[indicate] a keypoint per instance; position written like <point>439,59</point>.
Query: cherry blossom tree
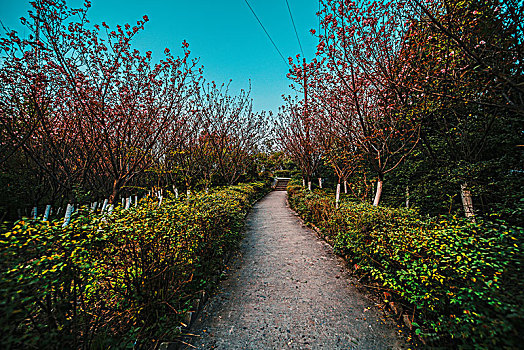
<point>232,130</point>
<point>296,135</point>
<point>358,66</point>
<point>101,106</point>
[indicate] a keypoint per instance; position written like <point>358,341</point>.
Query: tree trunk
<point>47,212</point>
<point>345,187</point>
<point>467,201</point>
<point>309,185</point>
<point>378,194</point>
<point>337,198</point>
<point>320,182</point>
<point>104,206</point>
<point>407,196</point>
<point>67,217</point>
<point>115,192</point>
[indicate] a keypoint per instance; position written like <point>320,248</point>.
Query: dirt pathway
<point>287,290</point>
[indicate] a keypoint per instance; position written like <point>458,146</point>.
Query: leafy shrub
<point>293,189</point>
<point>462,281</point>
<point>117,281</point>
<point>282,173</point>
<point>295,181</point>
<point>46,271</point>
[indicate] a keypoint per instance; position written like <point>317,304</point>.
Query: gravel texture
<point>287,290</point>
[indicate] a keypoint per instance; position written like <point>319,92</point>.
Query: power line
<point>295,28</point>
<point>265,31</point>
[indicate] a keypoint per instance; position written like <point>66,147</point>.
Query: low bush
<point>460,282</point>
<point>119,281</point>
<point>282,173</point>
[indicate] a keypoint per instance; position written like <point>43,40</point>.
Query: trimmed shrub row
<point>460,283</point>
<point>120,281</point>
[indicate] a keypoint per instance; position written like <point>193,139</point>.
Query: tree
<point>101,107</point>
<point>465,81</point>
<point>357,52</point>
<point>297,137</point>
<point>232,130</point>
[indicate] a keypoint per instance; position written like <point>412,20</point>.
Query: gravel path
<point>287,290</point>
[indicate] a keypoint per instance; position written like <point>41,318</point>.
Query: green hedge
<point>120,281</point>
<point>282,173</point>
<point>462,281</point>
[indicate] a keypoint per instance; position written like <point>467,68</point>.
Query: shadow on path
<point>287,290</point>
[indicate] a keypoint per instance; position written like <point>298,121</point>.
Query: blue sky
<point>224,34</point>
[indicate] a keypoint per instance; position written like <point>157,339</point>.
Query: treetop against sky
<point>224,34</point>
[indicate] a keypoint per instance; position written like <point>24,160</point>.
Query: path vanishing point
<point>287,290</point>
